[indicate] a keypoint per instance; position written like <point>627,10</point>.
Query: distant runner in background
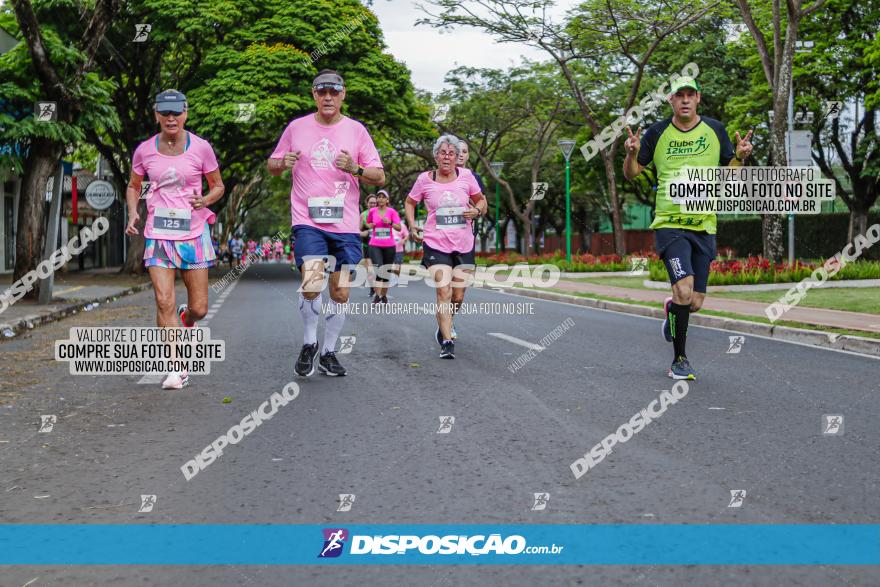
<point>371,203</point>
<point>463,161</point>
<point>381,220</point>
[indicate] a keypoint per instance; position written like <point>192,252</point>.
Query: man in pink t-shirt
<point>329,155</point>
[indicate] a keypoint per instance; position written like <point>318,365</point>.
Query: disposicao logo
<point>334,540</point>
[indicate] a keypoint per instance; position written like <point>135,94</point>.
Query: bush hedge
<point>816,237</point>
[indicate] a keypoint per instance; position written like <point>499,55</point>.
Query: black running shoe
<point>376,299</point>
<point>329,365</point>
<point>384,299</point>
<point>447,350</point>
<point>305,364</point>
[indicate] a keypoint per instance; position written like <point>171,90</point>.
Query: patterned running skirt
<point>195,253</point>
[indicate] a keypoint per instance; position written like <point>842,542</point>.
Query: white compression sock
<point>310,310</point>
<point>333,321</point>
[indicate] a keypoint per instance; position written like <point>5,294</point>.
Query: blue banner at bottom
<point>430,544</point>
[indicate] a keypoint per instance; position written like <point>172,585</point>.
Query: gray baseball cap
<point>328,80</point>
<point>171,100</point>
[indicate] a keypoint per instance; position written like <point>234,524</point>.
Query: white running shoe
<point>176,380</point>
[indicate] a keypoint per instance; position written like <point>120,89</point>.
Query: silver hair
<point>452,140</point>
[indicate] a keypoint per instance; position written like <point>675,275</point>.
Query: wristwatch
<point>359,172</point>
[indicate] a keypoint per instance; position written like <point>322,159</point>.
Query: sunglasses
<point>168,113</point>
<point>332,89</point>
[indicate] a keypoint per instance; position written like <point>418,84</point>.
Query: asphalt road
<point>752,421</point>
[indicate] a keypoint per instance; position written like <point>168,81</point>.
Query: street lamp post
<point>567,146</point>
<point>497,166</point>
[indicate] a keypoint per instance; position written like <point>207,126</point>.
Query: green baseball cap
<point>684,81</point>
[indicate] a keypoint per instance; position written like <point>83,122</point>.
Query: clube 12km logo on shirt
<point>336,538</point>
<point>685,147</point>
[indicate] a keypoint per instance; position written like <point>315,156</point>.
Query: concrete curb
<point>31,321</point>
<point>858,344</point>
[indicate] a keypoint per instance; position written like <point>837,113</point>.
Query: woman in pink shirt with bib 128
<point>453,199</point>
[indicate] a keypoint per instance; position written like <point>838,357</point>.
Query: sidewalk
<point>817,316</point>
<point>73,292</point>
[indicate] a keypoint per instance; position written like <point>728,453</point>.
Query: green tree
<point>229,52</point>
<point>839,67</point>
<point>505,116</point>
<point>602,48</point>
<point>768,18</point>
<point>54,63</point>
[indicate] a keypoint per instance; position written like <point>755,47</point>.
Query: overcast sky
<point>430,53</point>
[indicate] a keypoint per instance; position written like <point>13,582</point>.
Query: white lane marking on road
<point>717,408</point>
<point>156,377</point>
<point>804,344</point>
<point>515,340</point>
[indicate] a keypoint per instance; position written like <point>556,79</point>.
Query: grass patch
<point>861,299</point>
<point>629,282</point>
<point>855,299</point>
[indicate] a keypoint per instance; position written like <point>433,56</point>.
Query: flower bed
<point>725,271</point>
<point>579,263</point>
<point>754,270</point>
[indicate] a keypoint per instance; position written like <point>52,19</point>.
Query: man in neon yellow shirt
<point>685,241</point>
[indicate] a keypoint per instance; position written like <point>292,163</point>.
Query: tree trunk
<point>773,225</point>
<point>773,230</point>
<point>134,260</point>
<point>41,163</point>
<point>616,221</point>
<point>858,223</point>
<point>529,247</point>
<point>586,238</point>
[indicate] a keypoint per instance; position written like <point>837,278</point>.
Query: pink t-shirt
<point>173,179</point>
<point>400,237</point>
<point>447,201</point>
<point>321,195</point>
<point>382,236</point>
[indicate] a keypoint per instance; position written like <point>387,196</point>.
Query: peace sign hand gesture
<point>743,146</point>
<point>633,142</point>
